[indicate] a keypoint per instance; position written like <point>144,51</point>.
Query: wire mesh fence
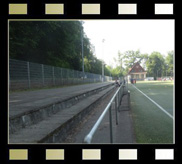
<point>26,75</point>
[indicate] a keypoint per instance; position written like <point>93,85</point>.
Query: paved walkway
<point>124,129</point>
<point>123,133</point>
<point>20,102</point>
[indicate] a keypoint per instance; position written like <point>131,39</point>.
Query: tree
<point>56,43</point>
<point>169,63</point>
<point>155,65</point>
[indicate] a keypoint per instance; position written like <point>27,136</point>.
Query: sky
<point>123,35</point>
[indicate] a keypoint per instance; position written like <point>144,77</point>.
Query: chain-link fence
<point>25,75</point>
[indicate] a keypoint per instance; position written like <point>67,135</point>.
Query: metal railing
<point>117,99</point>
<point>26,75</point>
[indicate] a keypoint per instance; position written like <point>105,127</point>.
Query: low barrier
<point>117,99</point>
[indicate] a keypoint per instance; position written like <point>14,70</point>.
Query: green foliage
<point>129,58</point>
<point>126,60</point>
<point>117,72</point>
<point>56,43</point>
<point>169,63</point>
<point>155,65</point>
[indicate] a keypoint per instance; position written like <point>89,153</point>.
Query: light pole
<point>82,50</point>
<point>103,40</point>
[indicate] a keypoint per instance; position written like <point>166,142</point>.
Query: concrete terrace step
<point>55,128</point>
<point>20,102</point>
<point>33,111</point>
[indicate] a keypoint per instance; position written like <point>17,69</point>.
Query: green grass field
<point>151,124</point>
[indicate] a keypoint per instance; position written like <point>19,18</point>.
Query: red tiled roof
<point>136,69</point>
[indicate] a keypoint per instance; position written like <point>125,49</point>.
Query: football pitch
<point>152,109</point>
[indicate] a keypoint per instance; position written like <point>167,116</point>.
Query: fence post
<point>73,77</point>
<point>72,73</point>
<point>53,75</point>
<point>110,120</point>
<point>61,76</point>
<point>129,98</point>
<point>116,112</point>
<point>77,77</point>
<point>118,101</point>
<point>127,84</point>
<point>28,73</point>
<point>43,74</point>
<point>120,95</point>
<point>67,74</point>
<point>9,81</point>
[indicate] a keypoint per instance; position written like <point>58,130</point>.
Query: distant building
<point>137,72</point>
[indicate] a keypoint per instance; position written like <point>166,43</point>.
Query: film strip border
<point>89,9</point>
<point>91,154</point>
<point>92,9</point>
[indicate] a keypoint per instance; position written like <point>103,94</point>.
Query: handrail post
<point>118,98</point>
<point>118,101</point>
<point>121,93</point>
<point>110,120</point>
<point>88,137</point>
<point>116,112</point>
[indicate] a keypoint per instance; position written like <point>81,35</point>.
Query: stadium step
<point>55,127</point>
<point>47,107</point>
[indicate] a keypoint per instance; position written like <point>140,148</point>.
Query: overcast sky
<point>123,35</point>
